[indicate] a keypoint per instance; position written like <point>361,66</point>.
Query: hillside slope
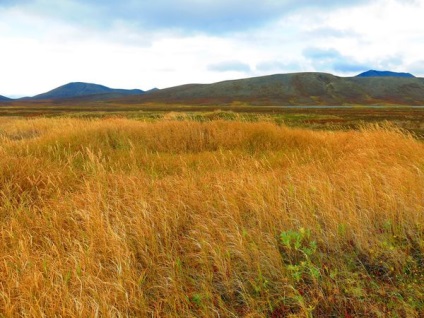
<point>295,89</point>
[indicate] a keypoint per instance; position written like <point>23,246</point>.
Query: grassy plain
<point>408,118</point>
<point>219,215</point>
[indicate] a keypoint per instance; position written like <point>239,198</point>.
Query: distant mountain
<point>293,89</point>
<point>79,89</point>
<point>373,73</point>
<point>4,99</point>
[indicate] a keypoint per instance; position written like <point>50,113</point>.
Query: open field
<point>175,217</point>
<point>408,118</point>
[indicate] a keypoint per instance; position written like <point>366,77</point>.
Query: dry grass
<point>221,219</point>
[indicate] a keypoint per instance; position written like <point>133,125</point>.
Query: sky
<point>162,43</point>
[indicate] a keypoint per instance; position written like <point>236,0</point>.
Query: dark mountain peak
<point>4,99</point>
<point>374,73</point>
<point>86,86</point>
<point>81,89</point>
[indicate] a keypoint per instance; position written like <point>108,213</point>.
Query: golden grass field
<point>124,218</point>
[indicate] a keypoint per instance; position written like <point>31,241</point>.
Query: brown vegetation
<point>117,217</point>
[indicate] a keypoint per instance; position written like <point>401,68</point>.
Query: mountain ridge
<point>309,88</point>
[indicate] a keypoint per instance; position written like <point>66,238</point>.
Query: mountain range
<point>368,88</point>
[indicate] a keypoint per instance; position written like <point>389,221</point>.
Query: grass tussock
<point>123,218</point>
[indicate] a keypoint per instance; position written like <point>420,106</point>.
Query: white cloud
<point>44,48</point>
<point>385,28</point>
<point>230,66</point>
<point>207,16</point>
<point>277,66</point>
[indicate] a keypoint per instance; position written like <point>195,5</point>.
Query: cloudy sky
<point>162,43</point>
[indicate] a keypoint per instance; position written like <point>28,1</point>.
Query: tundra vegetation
<point>174,217</point>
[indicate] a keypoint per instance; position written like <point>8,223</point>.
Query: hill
<point>79,89</point>
<point>4,99</point>
<point>294,89</point>
<point>373,73</point>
